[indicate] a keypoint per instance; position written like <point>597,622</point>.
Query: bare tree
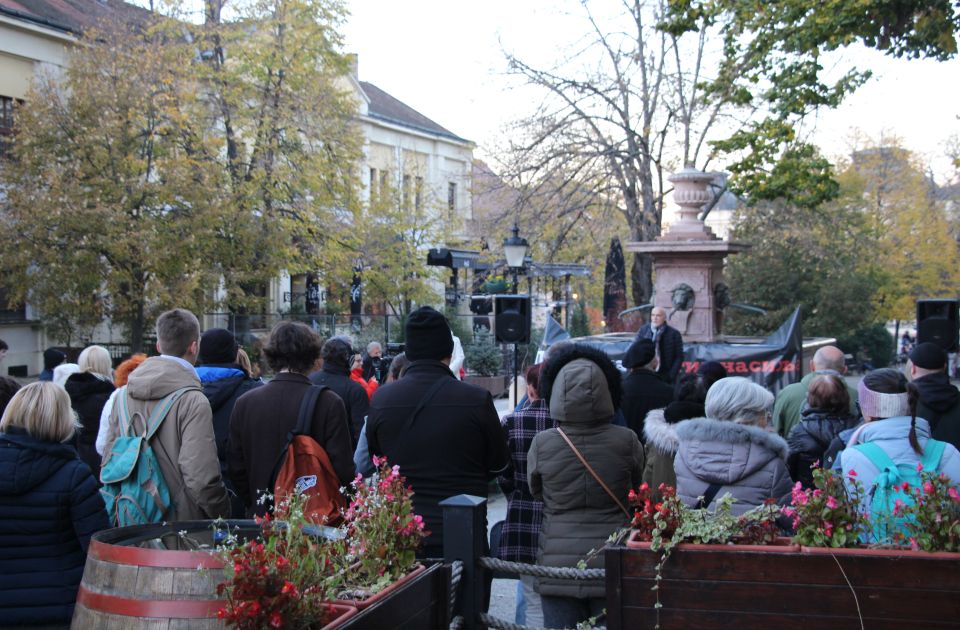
<point>618,115</point>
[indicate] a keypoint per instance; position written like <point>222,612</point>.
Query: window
<point>384,182</point>
<point>418,193</point>
<point>405,193</point>
<point>452,197</point>
<point>373,184</point>
<point>7,105</point>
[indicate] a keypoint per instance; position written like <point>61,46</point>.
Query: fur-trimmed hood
<point>661,434</point>
<point>580,385</point>
<point>725,452</point>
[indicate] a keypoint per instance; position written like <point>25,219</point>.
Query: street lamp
<point>515,251</point>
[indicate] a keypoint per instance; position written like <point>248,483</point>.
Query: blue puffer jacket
<point>49,507</point>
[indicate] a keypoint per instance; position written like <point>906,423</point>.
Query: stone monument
<point>688,263</point>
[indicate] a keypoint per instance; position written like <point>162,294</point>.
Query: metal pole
<point>464,539</point>
<point>516,354</point>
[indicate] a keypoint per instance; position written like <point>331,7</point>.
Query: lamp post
<point>515,251</point>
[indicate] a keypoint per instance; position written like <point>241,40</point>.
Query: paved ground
<point>503,594</point>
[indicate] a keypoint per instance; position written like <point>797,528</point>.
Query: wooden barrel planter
<point>782,587</point>
<point>153,576</point>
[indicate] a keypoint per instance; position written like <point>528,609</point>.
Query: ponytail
<point>913,397</point>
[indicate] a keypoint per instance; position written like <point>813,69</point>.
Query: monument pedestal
<point>688,263</point>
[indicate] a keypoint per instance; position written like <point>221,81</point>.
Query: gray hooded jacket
<point>748,462</point>
<point>578,514</point>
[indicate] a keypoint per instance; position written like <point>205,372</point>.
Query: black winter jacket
<point>940,406</point>
<point>49,508</point>
<point>643,392</point>
<point>670,347</point>
<point>223,385</point>
<point>88,395</point>
<point>810,439</point>
<point>454,446</point>
<point>354,398</point>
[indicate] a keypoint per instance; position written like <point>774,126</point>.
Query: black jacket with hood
<point>88,394</point>
<point>582,388</point>
<point>49,508</point>
<point>940,406</point>
<point>810,439</point>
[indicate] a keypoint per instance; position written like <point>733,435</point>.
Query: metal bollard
<point>464,535</point>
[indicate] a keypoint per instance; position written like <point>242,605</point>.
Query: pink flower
<point>952,492</point>
<point>913,544</point>
<point>898,506</point>
<point>927,487</point>
<point>832,503</point>
<point>905,487</point>
<point>919,466</point>
<point>852,474</point>
<point>828,529</point>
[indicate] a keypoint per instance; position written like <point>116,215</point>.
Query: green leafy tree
<point>282,110</point>
<point>773,62</point>
<point>111,211</point>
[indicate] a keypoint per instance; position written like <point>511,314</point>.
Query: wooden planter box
<point>422,601</point>
<point>783,587</point>
<point>496,385</point>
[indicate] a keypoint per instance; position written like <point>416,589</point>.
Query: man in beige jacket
<point>184,444</point>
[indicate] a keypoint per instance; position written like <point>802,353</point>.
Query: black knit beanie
<point>928,356</point>
<point>428,335</point>
<point>52,358</point>
<point>217,346</point>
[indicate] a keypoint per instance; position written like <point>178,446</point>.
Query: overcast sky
<point>445,59</point>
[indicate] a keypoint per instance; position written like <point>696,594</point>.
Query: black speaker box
<point>938,321</point>
<point>512,318</point>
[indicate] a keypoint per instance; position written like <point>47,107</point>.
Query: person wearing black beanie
<point>51,359</point>
<point>444,435</point>
<point>939,400</point>
<point>223,381</point>
<point>428,335</point>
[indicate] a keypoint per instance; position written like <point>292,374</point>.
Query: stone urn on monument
<point>688,263</point>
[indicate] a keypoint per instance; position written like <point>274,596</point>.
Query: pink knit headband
<point>877,405</point>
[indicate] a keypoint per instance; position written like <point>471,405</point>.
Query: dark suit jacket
<point>670,348</point>
<point>259,425</point>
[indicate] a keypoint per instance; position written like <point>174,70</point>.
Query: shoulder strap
<point>307,406</point>
<point>591,471</point>
<point>932,452</point>
<point>423,401</point>
<point>123,416</point>
<point>162,409</point>
<point>877,456</point>
<point>708,496</point>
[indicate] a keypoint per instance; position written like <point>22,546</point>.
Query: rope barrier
<point>566,573</point>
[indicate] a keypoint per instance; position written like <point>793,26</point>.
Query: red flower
<point>276,620</point>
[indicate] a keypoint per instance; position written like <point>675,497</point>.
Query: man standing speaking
<point>667,341</point>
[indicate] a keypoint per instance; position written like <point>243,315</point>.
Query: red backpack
<point>304,468</point>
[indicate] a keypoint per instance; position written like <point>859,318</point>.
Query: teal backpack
<point>887,489</point>
<point>133,486</point>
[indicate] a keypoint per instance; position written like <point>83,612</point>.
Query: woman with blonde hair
<point>89,390</point>
<point>49,508</point>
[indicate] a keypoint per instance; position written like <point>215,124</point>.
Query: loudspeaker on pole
<point>511,318</point>
<point>938,321</point>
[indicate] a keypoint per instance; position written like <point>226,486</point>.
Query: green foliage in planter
<point>483,356</point>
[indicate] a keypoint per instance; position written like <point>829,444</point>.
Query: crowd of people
<point>566,458</point>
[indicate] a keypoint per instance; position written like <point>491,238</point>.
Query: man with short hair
<point>184,444</point>
<point>444,435</point>
<point>667,341</point>
<point>791,399</point>
<point>337,356</point>
<point>643,391</point>
<point>939,400</point>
